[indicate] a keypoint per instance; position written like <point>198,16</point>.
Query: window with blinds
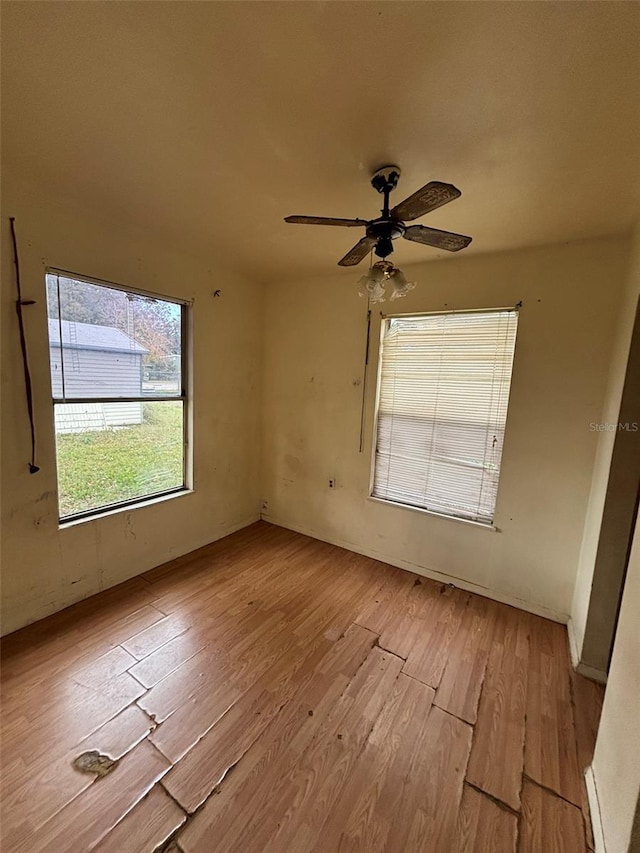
<point>442,406</point>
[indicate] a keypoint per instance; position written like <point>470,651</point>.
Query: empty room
<point>320,427</point>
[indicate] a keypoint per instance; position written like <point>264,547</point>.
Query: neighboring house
<point>95,361</point>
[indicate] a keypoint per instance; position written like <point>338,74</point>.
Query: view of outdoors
<point>105,345</point>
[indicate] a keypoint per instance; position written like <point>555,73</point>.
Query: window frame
<point>385,319</point>
<point>184,397</point>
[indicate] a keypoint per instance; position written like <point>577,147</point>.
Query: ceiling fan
<point>381,232</point>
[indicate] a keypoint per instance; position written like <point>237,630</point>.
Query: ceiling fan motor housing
<point>384,230</point>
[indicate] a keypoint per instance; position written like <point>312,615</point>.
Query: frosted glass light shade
<point>399,284</point>
<point>372,284</point>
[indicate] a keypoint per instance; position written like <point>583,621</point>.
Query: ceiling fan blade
<point>324,220</point>
<point>434,237</point>
<point>428,198</point>
<point>358,252</point>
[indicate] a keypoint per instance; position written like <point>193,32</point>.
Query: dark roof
<point>88,336</point>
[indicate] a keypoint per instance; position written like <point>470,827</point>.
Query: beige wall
<point>45,568</point>
<point>314,347</point>
<point>598,645</point>
<point>314,337</point>
<point>616,762</point>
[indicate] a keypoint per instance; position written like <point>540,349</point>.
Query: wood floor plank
<point>250,788</point>
<point>213,634</point>
<point>107,801</point>
<point>497,754</point>
<point>549,823</point>
<point>167,658</point>
<point>65,716</point>
<point>195,777</point>
<point>119,735</point>
<point>69,651</point>
<point>145,642</point>
<point>275,709</point>
<point>324,769</point>
<point>94,622</point>
<point>483,826</point>
<point>459,689</point>
<point>405,626</point>
<point>32,795</point>
<point>355,823</point>
<point>425,817</point>
<point>107,666</point>
<point>551,756</point>
<point>389,600</point>
<point>428,657</point>
<point>220,682</point>
<point>239,695</point>
<point>224,663</point>
<point>146,827</point>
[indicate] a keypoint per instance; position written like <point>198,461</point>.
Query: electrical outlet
<point>332,484</point>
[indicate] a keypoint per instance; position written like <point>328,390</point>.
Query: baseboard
<point>592,673</point>
<point>582,668</point>
<point>521,604</point>
<point>594,808</point>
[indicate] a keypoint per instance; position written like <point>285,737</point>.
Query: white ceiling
<point>210,122</point>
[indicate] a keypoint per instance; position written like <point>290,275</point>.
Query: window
<point>442,406</point>
<point>119,393</point>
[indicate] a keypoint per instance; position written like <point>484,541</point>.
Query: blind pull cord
<point>364,381</point>
<point>20,303</point>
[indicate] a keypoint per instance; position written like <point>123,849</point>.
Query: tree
<point>153,323</point>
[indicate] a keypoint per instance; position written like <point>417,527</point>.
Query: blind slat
<point>442,408</point>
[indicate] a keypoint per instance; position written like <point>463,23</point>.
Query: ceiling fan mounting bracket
<point>386,178</point>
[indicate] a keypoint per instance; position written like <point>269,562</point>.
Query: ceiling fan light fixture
<point>372,284</point>
<point>399,284</point>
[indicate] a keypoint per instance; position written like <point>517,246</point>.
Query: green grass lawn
<point>98,468</point>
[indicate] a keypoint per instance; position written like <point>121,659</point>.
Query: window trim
<point>485,525</point>
<point>385,318</point>
<point>114,510</point>
<point>184,397</point>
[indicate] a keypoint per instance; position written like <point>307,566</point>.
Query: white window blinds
<point>442,407</point>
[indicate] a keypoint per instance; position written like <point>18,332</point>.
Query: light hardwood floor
<point>274,693</point>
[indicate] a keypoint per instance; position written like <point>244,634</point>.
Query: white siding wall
<point>96,373</point>
<point>84,417</point>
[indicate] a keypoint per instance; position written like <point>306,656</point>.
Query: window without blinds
<point>442,407</point>
<point>118,383</point>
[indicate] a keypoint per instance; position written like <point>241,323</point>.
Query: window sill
<point>481,524</point>
<point>144,502</point>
